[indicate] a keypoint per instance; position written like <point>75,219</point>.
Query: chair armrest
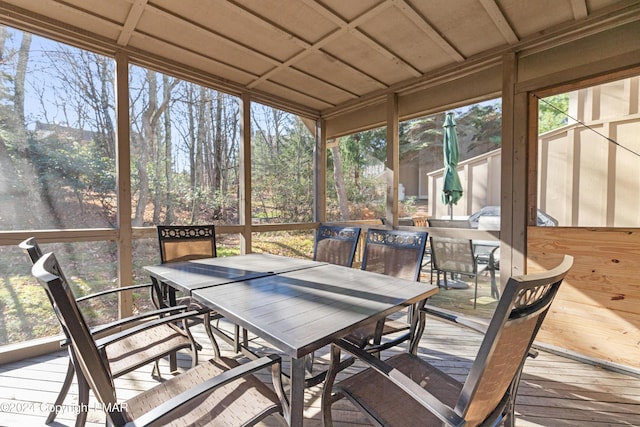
<point>205,387</point>
<point>377,348</point>
<point>476,324</point>
<point>117,324</point>
<point>113,291</point>
<point>414,390</point>
<point>137,318</point>
<point>102,342</point>
<point>485,252</point>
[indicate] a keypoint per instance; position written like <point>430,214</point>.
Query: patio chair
<point>185,243</point>
<point>488,253</point>
<point>444,223</point>
<point>217,392</point>
<point>153,338</point>
<point>406,390</point>
<point>457,256</point>
<point>393,253</point>
<point>336,244</point>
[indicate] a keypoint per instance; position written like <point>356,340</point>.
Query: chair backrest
<point>449,223</point>
<point>394,252</point>
<point>522,308</point>
<point>336,244</point>
<point>452,255</point>
<point>93,365</point>
<point>31,247</point>
<point>186,242</point>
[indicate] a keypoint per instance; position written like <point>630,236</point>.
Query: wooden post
<point>320,173</point>
<point>244,210</point>
<point>123,157</point>
<point>393,159</point>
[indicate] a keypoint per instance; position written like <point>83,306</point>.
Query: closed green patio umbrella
<point>451,188</point>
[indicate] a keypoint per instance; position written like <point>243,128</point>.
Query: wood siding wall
<point>597,311</point>
<point>480,178</point>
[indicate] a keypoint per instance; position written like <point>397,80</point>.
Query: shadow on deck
<point>554,391</point>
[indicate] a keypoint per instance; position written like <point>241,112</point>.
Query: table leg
<point>296,400</point>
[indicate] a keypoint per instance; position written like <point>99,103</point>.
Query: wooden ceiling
<point>315,56</point>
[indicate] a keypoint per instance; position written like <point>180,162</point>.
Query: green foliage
<point>358,147</point>
<point>282,171</point>
<point>363,163</point>
<point>552,112</point>
<point>76,166</point>
<point>486,122</point>
<point>409,206</point>
<point>421,133</point>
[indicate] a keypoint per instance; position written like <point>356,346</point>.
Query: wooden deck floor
<point>554,391</point>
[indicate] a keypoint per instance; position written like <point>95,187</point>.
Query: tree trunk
<point>21,73</point>
<point>218,147</point>
<point>145,143</point>
<point>168,160</point>
<point>339,183</point>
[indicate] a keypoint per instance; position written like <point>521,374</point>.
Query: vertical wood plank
<point>509,75</point>
<point>393,159</point>
<point>123,162</point>
<point>320,172</point>
<point>244,210</point>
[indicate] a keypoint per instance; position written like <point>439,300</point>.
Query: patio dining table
<point>298,306</point>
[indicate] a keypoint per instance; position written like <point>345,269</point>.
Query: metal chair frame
<point>336,244</point>
<point>110,333</point>
<point>406,390</point>
<point>190,394</point>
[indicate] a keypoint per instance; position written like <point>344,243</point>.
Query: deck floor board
<point>554,391</point>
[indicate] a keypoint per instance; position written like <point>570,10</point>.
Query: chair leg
<point>155,372</point>
<point>495,293</point>
<point>475,294</point>
<point>68,379</point>
<point>510,410</point>
<point>214,342</point>
<point>83,400</point>
<point>327,391</point>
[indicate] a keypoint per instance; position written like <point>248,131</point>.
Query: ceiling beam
<point>209,33</point>
<point>579,8</point>
<point>429,30</point>
<point>306,50</point>
<point>500,21</point>
<point>352,28</point>
<point>133,18</point>
<point>137,8</point>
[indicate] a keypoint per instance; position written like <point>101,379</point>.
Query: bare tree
<point>86,87</point>
<point>339,183</point>
<point>152,112</point>
<point>21,73</point>
<point>168,156</point>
